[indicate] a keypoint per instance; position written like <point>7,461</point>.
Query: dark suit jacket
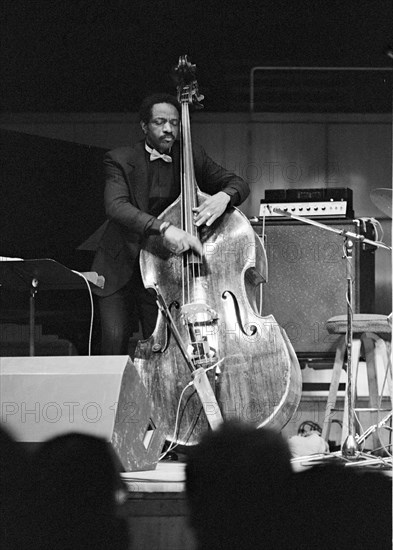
<point>126,203</point>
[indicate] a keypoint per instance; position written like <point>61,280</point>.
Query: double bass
<point>208,316</point>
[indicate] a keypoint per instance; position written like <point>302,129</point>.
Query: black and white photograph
<point>196,275</point>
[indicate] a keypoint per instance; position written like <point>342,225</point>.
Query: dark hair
<point>236,485</point>
<point>148,102</point>
<point>74,496</point>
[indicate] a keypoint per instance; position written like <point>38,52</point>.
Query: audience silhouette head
<point>74,496</point>
<point>236,479</point>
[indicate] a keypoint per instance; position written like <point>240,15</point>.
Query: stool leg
<point>333,389</point>
<point>356,344</point>
<point>370,351</point>
<point>377,354</point>
<point>388,351</point>
<point>383,352</point>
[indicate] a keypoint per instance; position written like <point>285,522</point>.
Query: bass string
<point>189,202</point>
<point>191,269</point>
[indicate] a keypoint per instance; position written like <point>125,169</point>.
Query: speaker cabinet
<point>307,280</point>
<point>43,397</point>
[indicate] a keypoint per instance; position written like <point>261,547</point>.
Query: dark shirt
<point>162,188</point>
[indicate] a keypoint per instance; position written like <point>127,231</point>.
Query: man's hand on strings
<point>211,209</point>
<point>178,241</point>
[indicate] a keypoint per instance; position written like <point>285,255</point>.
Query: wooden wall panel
<point>269,150</point>
<point>275,162</point>
<point>361,153</point>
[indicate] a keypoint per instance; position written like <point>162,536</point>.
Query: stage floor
<point>168,477</point>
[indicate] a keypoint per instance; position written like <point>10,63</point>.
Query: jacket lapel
<point>176,164</point>
<point>139,177</point>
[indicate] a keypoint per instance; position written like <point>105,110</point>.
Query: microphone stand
<point>350,447</point>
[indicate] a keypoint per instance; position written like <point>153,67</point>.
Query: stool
<point>371,336</point>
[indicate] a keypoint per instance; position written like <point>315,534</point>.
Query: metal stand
<point>349,449</point>
<point>43,274</point>
<point>33,292</point>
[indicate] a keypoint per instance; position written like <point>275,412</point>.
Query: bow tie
<point>154,155</point>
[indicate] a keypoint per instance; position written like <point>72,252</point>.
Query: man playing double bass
<point>140,182</point>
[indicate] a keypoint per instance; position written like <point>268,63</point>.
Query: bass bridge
<point>201,322</point>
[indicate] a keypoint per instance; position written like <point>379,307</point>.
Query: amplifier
<point>307,281</point>
<point>312,203</point>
